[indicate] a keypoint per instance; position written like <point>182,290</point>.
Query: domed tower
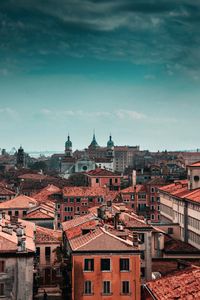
<point>68,147</point>
<point>110,147</point>
<point>20,157</point>
<point>94,143</point>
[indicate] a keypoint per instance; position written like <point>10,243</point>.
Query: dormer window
<point>196,178</point>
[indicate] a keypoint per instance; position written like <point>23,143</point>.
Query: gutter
<point>149,291</point>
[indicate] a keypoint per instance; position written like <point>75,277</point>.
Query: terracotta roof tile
<point>46,192</point>
<point>83,191</point>
<point>100,240</point>
<point>102,173</point>
<point>20,202</point>
<point>181,285</point>
<point>46,235</point>
<point>78,221</point>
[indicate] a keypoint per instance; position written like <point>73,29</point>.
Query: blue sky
<point>130,68</point>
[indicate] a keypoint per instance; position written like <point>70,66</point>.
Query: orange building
<point>104,266</point>
<point>104,178</point>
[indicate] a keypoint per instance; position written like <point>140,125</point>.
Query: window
<point>152,190</point>
<point>58,206</point>
<point>2,266</point>
<point>170,230</point>
<point>78,200</point>
<point>24,212</point>
<point>58,216</point>
<point>16,213</point>
<point>125,287</point>
<point>37,251</point>
<point>87,287</point>
<point>10,212</point>
<point>97,180</point>
<point>90,199</point>
<point>142,272</point>
<point>152,217</point>
<point>1,289</point>
<point>72,200</point>
<point>116,180</point>
<point>152,199</point>
<point>77,208</point>
<point>124,264</point>
<point>89,264</point>
<point>65,199</point>
<point>105,264</point>
<point>47,253</point>
<point>106,287</point>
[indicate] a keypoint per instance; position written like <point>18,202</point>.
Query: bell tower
<point>110,147</point>
<point>68,147</point>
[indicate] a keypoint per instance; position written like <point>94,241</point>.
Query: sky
<point>130,68</point>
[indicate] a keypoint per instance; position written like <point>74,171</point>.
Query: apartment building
<point>103,266</point>
<point>180,203</point>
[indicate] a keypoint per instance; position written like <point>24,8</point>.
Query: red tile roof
<point>6,192</point>
<point>9,242</point>
<point>196,164</point>
<point>173,245</point>
<point>83,191</point>
<point>37,177</point>
<point>180,190</point>
<point>46,192</point>
<point>77,230</point>
<point>131,189</point>
<point>46,236</point>
<point>78,221</point>
<point>102,173</point>
<point>100,240</point>
<point>182,285</point>
<point>20,202</point>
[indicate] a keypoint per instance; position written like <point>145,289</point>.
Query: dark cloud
<point>141,32</point>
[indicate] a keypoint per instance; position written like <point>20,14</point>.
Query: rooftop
<point>78,221</point>
<point>46,235</point>
<point>20,202</point>
<point>46,192</point>
<point>100,240</point>
<point>180,190</point>
<point>102,173</point>
<point>83,191</point>
<point>182,285</point>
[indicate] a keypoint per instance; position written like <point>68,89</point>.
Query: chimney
<point>21,245</point>
<point>134,176</point>
<point>135,239</point>
<point>116,219</point>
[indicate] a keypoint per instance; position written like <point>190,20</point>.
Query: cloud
<point>7,112</point>
<point>141,32</point>
<point>130,114</point>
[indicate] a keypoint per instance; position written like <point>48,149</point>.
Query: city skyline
<point>131,69</point>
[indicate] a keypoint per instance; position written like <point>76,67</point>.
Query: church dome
<point>94,143</point>
<point>110,143</point>
<point>68,143</point>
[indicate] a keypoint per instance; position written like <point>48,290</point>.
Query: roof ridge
<point>98,232</point>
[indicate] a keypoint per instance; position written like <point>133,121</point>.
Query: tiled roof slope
<point>46,235</point>
<point>102,173</point>
<point>180,190</point>
<point>83,191</point>
<point>19,202</point>
<point>77,230</point>
<point>78,221</point>
<point>46,192</point>
<point>182,285</point>
<point>130,189</point>
<point>6,192</point>
<point>100,240</point>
